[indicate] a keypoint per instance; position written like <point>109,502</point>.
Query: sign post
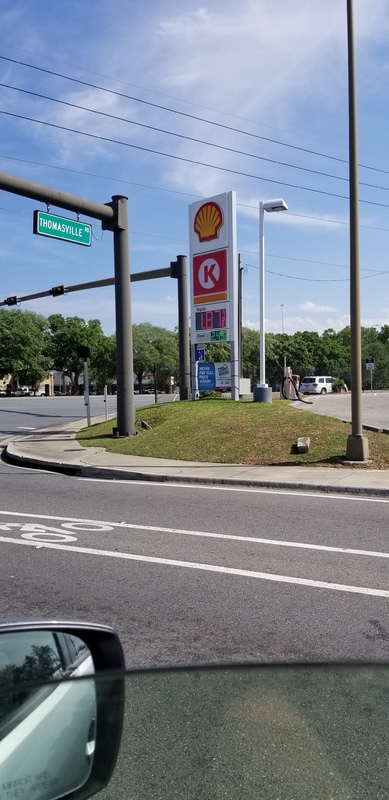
<point>214,281</point>
<point>370,368</point>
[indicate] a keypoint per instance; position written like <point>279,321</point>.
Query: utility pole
<point>357,444</point>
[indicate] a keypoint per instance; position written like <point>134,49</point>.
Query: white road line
<point>207,534</point>
<point>264,576</point>
<point>250,489</point>
<point>25,428</point>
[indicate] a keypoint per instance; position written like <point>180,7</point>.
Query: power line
<point>268,255</point>
<point>155,91</point>
<point>309,261</point>
<point>187,115</point>
<point>176,191</point>
<point>317,280</point>
<point>182,136</point>
<point>189,138</point>
<point>187,160</point>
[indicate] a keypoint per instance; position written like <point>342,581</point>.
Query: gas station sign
<point>214,277</point>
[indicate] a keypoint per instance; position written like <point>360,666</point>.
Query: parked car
<point>318,384</point>
<point>23,391</point>
<point>37,393</point>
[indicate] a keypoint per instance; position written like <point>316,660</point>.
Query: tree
<point>250,353</point>
<point>154,346</point>
<point>67,334</point>
<point>103,368</point>
<point>24,350</point>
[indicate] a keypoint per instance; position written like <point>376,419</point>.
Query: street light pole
<point>262,372</point>
<point>357,444</point>
<point>263,392</point>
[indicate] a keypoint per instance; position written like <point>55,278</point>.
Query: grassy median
<point>224,431</point>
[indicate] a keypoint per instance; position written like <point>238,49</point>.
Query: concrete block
<point>303,443</point>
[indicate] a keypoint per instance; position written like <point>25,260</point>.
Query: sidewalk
<point>57,448</point>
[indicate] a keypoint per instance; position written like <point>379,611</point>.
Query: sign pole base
<point>262,394</point>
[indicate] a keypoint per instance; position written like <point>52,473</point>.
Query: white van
<point>318,384</point>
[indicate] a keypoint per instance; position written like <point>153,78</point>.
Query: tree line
<point>31,345</point>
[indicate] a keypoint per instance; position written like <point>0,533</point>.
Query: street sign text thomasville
<point>69,230</point>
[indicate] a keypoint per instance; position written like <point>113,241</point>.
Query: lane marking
<point>250,489</point>
<point>71,524</point>
<point>25,428</point>
<point>264,576</point>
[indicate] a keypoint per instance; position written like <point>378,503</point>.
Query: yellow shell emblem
<point>208,222</point>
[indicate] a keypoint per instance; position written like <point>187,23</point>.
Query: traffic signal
<point>83,352</point>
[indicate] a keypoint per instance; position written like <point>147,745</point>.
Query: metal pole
<point>282,318</point>
<point>357,444</point>
<point>124,356</point>
<point>155,384</point>
<point>240,331</point>
<point>56,197</point>
<point>86,393</point>
<point>194,385</point>
<point>371,380</point>
<point>106,403</point>
<point>262,355</point>
<point>180,271</point>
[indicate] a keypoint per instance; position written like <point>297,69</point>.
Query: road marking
<point>25,428</point>
<point>250,489</point>
<point>169,562</point>
<point>73,525</point>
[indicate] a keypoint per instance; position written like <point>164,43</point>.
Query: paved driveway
<point>375,407</point>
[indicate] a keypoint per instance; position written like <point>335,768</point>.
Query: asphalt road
<point>191,574</point>
<point>19,415</point>
<point>194,575</point>
<point>375,407</point>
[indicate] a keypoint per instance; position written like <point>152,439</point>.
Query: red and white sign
<point>210,277</point>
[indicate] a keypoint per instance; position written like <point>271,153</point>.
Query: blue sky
<point>272,76</point>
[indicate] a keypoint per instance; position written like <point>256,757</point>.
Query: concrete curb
<point>42,463</point>
<point>120,474</point>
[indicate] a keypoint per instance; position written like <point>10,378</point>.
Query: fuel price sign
<point>212,323</point>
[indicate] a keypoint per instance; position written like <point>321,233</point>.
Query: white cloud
<point>309,306</point>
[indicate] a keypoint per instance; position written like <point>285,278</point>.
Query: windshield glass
<point>283,732</point>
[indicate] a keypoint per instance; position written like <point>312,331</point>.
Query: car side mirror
<point>61,709</point>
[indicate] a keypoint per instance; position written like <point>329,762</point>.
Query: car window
<point>308,380</point>
<point>77,652</point>
<point>321,380</point>
<point>328,380</point>
<point>33,657</point>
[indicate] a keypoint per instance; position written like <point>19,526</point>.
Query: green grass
<point>224,431</point>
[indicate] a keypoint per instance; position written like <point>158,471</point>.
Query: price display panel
<point>212,324</point>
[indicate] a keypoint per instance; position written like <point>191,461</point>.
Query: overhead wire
<point>186,114</point>
<point>317,280</point>
<point>196,162</point>
<point>189,138</point>
<point>176,191</point>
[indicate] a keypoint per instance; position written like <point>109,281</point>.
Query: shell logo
<point>208,222</point>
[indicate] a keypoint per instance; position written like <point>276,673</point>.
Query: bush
<point>210,395</point>
<point>338,386</point>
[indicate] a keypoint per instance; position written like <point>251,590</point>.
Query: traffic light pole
<point>113,217</point>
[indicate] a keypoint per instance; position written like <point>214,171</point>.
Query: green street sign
<point>69,230</point>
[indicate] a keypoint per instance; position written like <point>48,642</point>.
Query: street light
<point>262,392</point>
